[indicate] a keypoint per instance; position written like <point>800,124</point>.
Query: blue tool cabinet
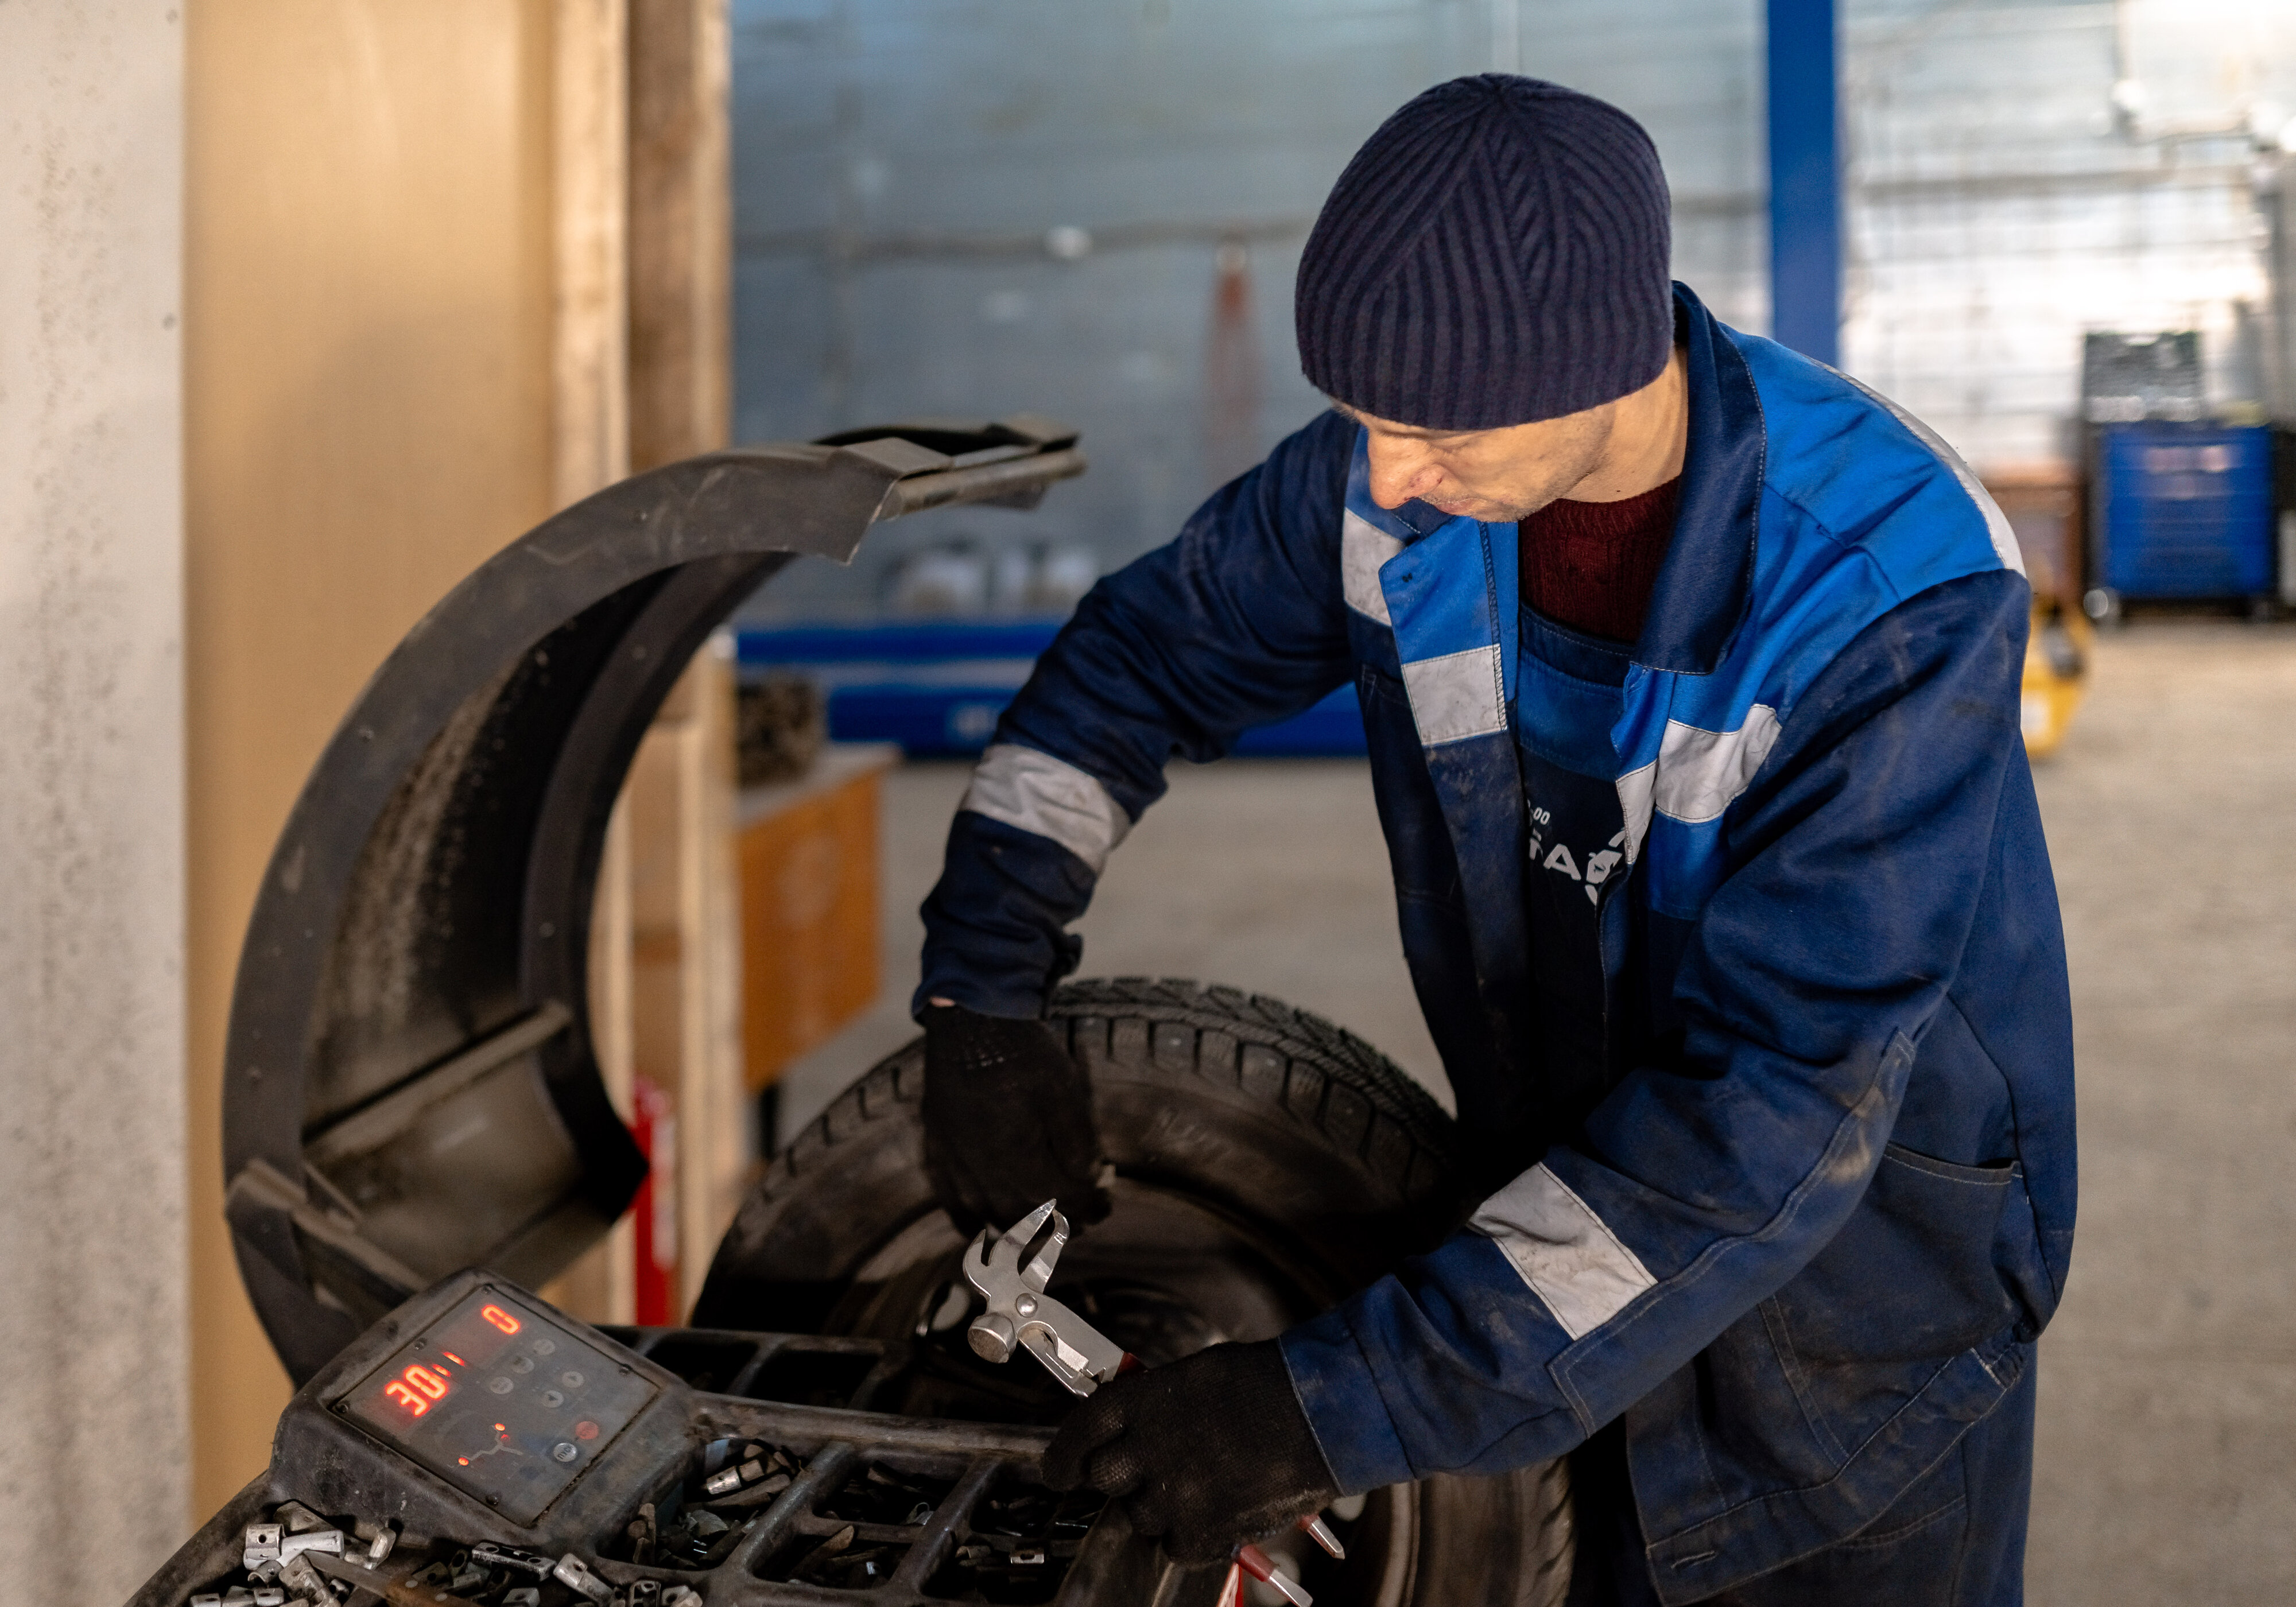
<point>2184,510</point>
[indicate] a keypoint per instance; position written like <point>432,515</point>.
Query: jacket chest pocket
<point>1911,1277</point>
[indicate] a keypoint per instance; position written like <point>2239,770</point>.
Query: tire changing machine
<point>416,1133</point>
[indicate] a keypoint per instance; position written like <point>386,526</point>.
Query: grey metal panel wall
<point>2000,205</point>
<point>899,162</point>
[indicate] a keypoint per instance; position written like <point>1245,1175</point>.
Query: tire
<point>1267,1164</point>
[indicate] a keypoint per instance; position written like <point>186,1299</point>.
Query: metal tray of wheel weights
<point>477,1445</point>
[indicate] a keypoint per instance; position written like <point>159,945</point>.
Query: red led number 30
<point>415,1388</point>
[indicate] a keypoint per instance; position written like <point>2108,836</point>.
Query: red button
<point>585,1429</point>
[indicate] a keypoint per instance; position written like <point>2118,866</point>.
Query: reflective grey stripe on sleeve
<point>1699,773</point>
<point>1040,793</point>
<point>1573,1263</point>
<point>1455,696</point>
<point>1998,529</point>
<point>1363,546</point>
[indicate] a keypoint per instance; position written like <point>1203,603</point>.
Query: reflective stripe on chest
<point>1697,775</point>
<point>1450,598</point>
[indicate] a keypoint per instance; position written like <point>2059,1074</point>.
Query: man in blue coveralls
<point>1689,672</point>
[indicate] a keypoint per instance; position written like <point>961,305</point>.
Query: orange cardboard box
<point>808,851</point>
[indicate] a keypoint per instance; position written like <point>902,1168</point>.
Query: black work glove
<point>1008,1121</point>
<point>1208,1452</point>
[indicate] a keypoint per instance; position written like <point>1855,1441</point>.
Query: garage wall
<point>901,166</point>
<point>371,364</point>
<point>2024,170</point>
<point>91,804</point>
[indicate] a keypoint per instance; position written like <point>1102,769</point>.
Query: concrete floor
<point>2167,1464</point>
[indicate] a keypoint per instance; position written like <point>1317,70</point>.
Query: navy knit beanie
<point>1495,253</point>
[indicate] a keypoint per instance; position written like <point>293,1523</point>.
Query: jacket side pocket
<point>1911,1277</point>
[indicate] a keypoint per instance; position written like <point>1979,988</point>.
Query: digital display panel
<point>500,1401</point>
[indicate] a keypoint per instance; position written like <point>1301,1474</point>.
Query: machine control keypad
<point>469,1400</point>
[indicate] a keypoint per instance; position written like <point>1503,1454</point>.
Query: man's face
<point>1498,476</point>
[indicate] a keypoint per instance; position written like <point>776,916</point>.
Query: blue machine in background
<point>2183,510</point>
<point>936,686</point>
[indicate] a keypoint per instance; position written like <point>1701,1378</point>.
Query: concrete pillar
<point>93,1486</point>
<point>404,348</point>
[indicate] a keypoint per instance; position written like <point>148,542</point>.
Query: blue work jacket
<point>1798,1211</point>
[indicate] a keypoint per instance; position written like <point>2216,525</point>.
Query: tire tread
<point>1364,1105</point>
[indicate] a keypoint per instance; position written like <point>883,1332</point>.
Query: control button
<point>522,1364</point>
<point>552,1397</point>
<point>571,1379</point>
<point>565,1451</point>
<point>585,1429</point>
<point>543,1347</point>
<point>500,1386</point>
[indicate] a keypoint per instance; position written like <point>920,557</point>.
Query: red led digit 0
<point>426,1381</point>
<point>500,1318</point>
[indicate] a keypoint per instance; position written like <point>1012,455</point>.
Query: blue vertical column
<point>1805,179</point>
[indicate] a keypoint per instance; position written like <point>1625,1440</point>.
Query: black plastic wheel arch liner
<point>409,1085</point>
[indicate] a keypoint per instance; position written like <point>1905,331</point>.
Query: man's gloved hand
<point>1008,1121</point>
<point>1208,1452</point>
